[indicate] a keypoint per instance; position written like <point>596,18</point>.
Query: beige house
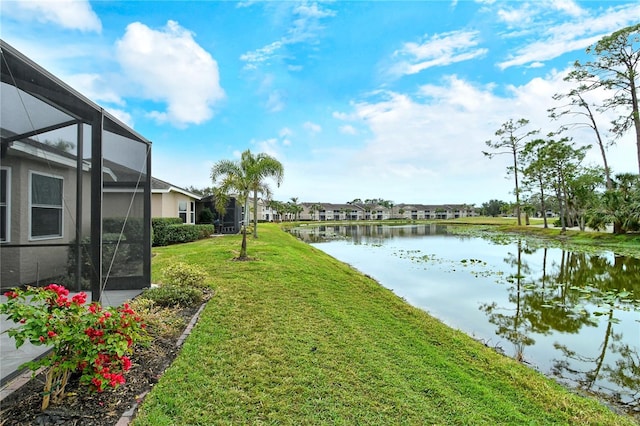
<point>355,211</point>
<point>168,200</point>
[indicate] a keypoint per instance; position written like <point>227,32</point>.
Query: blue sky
<point>357,99</point>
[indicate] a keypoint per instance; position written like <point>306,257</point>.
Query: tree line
<point>550,170</point>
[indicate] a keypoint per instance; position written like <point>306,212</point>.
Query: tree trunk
<point>543,206</point>
<point>515,174</point>
<point>255,214</point>
<point>636,116</point>
<point>617,228</point>
<point>243,247</point>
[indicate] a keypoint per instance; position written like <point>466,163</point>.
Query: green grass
<point>297,338</point>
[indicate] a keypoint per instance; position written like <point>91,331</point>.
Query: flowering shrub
<point>184,275</point>
<point>93,340</point>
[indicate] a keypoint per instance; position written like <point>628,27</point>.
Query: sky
<point>356,99</point>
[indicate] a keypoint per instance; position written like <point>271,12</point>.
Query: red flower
<point>94,307</point>
<point>97,383</point>
<point>11,294</point>
<point>41,338</point>
<point>126,363</point>
<point>80,298</point>
<point>51,333</point>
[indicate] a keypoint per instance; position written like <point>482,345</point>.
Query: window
<point>5,205</point>
<point>182,211</point>
<point>192,213</point>
<point>46,206</point>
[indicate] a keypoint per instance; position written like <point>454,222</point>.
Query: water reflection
<point>573,315</point>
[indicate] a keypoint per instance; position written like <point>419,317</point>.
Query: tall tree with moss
<point>246,178</point>
<point>615,68</point>
<point>512,138</point>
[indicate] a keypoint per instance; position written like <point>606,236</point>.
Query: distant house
<point>75,192</point>
<point>228,223</point>
<point>168,200</point>
<point>317,211</point>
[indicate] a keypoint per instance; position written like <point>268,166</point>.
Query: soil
<point>86,408</point>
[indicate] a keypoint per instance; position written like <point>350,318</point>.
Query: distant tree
<point>315,208</point>
<point>61,145</point>
<point>615,67</point>
<point>563,160</point>
<point>584,114</point>
<point>296,209</point>
<point>536,174</point>
<point>246,177</point>
<point>279,207</point>
<point>511,140</point>
<point>203,192</point>
<point>584,190</point>
<point>492,208</point>
<point>619,206</point>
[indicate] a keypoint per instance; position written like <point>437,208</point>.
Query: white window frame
<point>185,211</point>
<point>7,205</point>
<point>31,207</point>
<point>192,213</point>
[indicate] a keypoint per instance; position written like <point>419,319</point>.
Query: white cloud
<point>304,27</point>
<point>268,146</point>
<point>312,127</point>
<point>348,130</point>
<point>261,55</point>
<point>70,14</point>
<point>306,24</point>
<point>569,7</point>
<point>285,132</point>
<point>341,115</point>
<point>96,88</point>
<point>121,115</point>
<point>569,36</point>
<point>515,17</point>
<point>275,102</point>
<point>427,147</point>
<point>438,50</point>
<point>169,66</point>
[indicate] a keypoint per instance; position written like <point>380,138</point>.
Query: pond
<point>571,315</point>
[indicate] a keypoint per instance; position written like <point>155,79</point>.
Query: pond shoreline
<point>369,241</point>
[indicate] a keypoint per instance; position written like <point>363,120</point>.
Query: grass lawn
<point>297,338</point>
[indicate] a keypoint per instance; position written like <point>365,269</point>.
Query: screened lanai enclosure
<point>75,190</point>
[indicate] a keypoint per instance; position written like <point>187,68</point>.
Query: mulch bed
<point>83,407</point>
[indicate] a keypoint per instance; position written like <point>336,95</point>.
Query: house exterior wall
<point>22,265</point>
<point>165,204</point>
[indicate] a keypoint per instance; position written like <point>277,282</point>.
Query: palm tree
<point>246,177</point>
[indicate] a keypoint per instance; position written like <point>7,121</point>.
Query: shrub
<point>93,340</point>
<point>168,231</point>
<point>205,231</point>
<point>184,275</point>
<point>159,226</point>
<point>160,321</point>
<point>205,216</point>
<point>171,295</point>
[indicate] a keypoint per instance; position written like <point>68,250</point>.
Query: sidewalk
<point>12,358</point>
